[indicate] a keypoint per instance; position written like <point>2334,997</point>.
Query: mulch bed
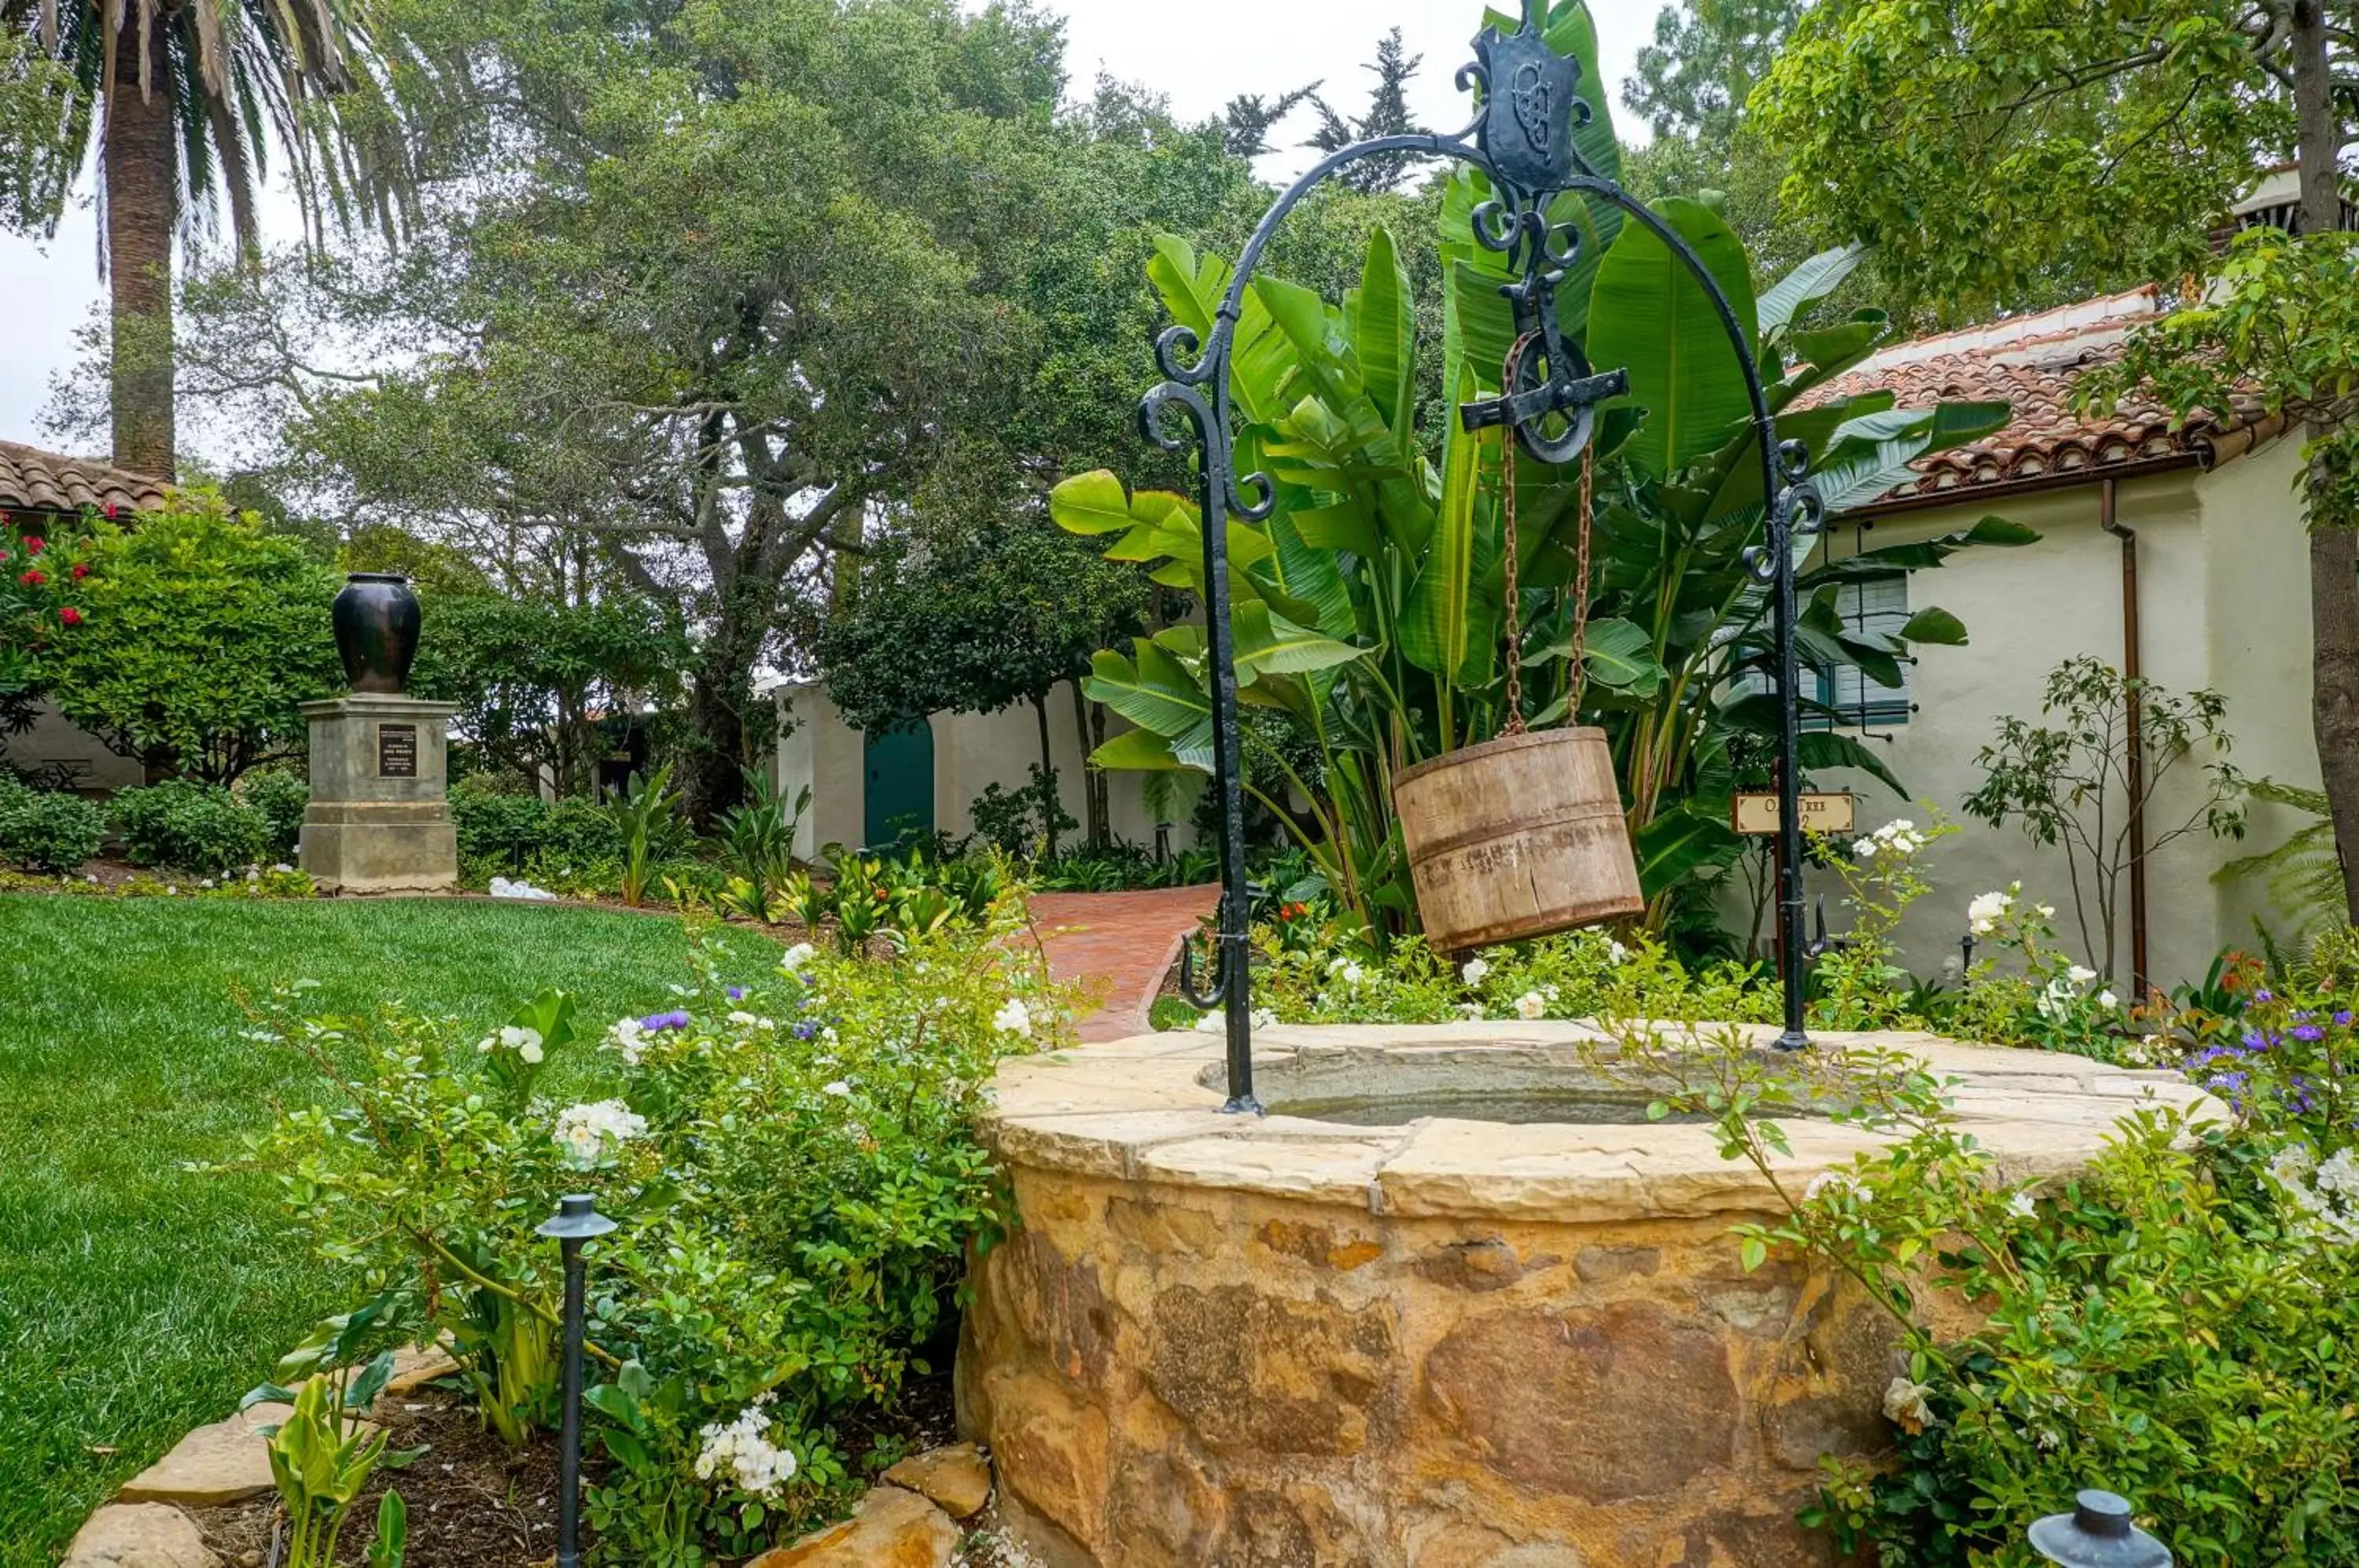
<point>474,1502</point>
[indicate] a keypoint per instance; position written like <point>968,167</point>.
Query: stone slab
<point>227,1462</point>
<point>139,1535</point>
<point>956,1479</point>
<point>891,1529</point>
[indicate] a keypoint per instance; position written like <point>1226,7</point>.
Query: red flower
<point>33,578</point>
<point>110,509</point>
<point>35,544</point>
<point>81,571</point>
<point>70,615</point>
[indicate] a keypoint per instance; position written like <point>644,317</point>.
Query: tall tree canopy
<point>1990,147</point>
<point>182,104</point>
<point>1693,79</point>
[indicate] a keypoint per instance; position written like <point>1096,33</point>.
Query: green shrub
<point>48,831</point>
<point>498,833</point>
<point>281,796</point>
<point>190,826</point>
<point>797,1190</point>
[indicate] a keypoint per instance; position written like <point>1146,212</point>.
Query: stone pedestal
<point>379,820</point>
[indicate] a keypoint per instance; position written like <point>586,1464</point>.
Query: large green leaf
<point>1823,750</point>
<point>1650,314</point>
<point>1192,289</point>
<point>1812,281</point>
<point>1154,691</point>
<point>1267,643</point>
<point>1092,503</point>
<point>1384,335</point>
<point>1678,843</point>
<point>1936,625</point>
<point>1439,626</point>
<point>1135,751</point>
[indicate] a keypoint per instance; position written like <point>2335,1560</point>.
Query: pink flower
<point>33,578</point>
<point>81,571</point>
<point>35,544</point>
<point>70,615</point>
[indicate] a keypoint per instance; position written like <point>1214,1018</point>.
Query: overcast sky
<point>1220,49</point>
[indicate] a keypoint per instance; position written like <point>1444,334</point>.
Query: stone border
<point>1146,1109</point>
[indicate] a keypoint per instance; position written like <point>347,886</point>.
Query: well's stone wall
<point>1450,1344</point>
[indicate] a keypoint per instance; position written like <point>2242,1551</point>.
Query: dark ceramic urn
<point>376,632</point>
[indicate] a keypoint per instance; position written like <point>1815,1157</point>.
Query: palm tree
<point>183,99</point>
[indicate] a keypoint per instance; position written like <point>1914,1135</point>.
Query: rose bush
<point>792,1162</point>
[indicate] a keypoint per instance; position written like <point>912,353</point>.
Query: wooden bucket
<point>1521,837</point>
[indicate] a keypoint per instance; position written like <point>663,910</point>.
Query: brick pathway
<point>1121,945</point>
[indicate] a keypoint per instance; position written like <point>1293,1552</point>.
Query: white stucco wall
<point>2222,573</point>
<point>53,740</point>
<point>971,752</point>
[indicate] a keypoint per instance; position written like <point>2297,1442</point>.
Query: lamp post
<point>577,1220</point>
<point>2097,1534</point>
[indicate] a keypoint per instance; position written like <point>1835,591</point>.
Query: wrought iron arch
<point>1522,141</point>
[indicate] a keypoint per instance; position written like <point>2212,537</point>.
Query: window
<point>1872,606</point>
<point>1876,606</point>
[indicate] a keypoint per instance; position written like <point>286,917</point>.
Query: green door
<point>900,765</point>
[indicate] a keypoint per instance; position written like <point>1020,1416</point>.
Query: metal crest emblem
<point>1528,107</point>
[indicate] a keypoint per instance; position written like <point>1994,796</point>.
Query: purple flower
<point>806,1030</point>
<point>2252,1040</point>
<point>2309,1033</point>
<point>2343,1019</point>
<point>2265,995</point>
<point>736,993</point>
<point>675,1019</point>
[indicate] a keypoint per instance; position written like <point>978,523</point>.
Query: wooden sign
<point>1755,815</point>
<point>397,751</point>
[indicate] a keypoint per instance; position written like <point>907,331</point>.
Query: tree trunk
<point>142,177</point>
<point>1050,803</point>
<point>1092,797</point>
<point>2333,548</point>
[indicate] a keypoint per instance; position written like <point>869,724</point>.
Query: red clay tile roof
<point>36,481</point>
<point>2031,363</point>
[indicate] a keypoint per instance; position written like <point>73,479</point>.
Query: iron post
<point>577,1220</point>
<point>2097,1534</point>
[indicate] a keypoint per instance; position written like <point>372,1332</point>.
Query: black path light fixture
<point>576,1221</point>
<point>2097,1534</point>
<point>1522,141</point>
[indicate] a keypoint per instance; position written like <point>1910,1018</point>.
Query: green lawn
<point>137,1300</point>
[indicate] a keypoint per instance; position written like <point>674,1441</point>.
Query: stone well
<point>1450,1343</point>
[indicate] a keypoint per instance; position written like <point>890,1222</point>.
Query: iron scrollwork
<point>1522,140</point>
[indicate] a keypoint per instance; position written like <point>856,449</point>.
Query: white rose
<point>1532,1005</point>
<point>795,957</point>
<point>2108,1000</point>
<point>1475,969</point>
<point>1014,1018</point>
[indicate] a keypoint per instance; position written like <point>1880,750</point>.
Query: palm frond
<point>2303,876</point>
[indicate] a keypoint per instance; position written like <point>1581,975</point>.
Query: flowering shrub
<point>2049,1000</point>
<point>792,1164</point>
<point>2175,1324</point>
<point>1330,976</point>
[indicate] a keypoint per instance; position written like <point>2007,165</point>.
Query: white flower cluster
<point>2327,1193</point>
<point>744,1448</point>
<point>795,957</point>
<point>590,1134</point>
<point>1349,972</point>
<point>1896,838</point>
<point>1984,911</point>
<point>1842,1183</point>
<point>1475,969</point>
<point>2057,997</point>
<point>629,1036</point>
<point>525,1043</point>
<point>1532,1005</point>
<point>1014,1018</point>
